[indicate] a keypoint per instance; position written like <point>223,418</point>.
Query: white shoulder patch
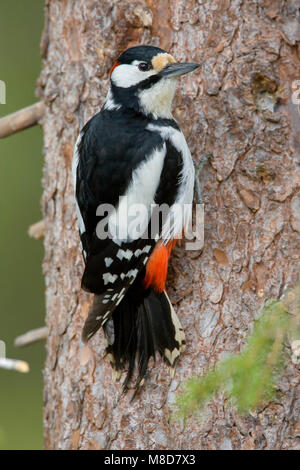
<point>133,213</point>
<point>180,214</point>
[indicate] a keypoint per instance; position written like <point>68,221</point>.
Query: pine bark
<point>238,108</point>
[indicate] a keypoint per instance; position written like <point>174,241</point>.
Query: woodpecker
<point>129,154</point>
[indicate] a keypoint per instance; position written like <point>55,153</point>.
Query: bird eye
<point>144,67</point>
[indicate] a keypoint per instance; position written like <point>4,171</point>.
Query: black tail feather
<point>143,326</point>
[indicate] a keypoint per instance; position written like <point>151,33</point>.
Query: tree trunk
<point>239,109</point>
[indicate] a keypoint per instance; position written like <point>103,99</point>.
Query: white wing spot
<point>108,261</point>
<point>119,300</point>
<point>122,292</point>
<point>132,273</point>
<point>146,249</point>
<point>103,317</point>
<point>124,254</point>
<point>109,278</point>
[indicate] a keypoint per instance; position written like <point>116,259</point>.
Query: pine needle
<point>248,378</point>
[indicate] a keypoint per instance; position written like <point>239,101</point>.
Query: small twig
<point>14,364</point>
<point>37,230</point>
<point>31,337</point>
<point>22,119</point>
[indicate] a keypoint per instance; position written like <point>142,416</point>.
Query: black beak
<point>176,69</point>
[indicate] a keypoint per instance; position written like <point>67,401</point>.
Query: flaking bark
<point>238,108</point>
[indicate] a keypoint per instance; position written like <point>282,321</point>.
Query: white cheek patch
<point>127,75</point>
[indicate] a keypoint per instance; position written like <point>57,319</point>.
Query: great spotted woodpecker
<point>130,153</point>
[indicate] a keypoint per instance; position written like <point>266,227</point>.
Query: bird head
<point>144,79</point>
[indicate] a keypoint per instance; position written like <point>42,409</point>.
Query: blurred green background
<point>21,282</point>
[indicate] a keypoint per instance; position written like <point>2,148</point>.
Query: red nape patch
<point>113,67</point>
<point>157,266</point>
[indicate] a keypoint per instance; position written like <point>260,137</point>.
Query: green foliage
<point>247,378</point>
